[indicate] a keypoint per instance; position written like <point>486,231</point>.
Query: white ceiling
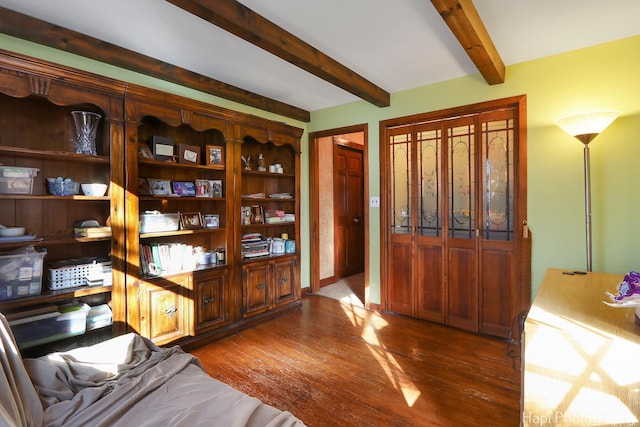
<point>397,45</point>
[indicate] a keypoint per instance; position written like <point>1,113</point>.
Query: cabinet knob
<point>260,286</point>
<point>283,280</point>
<point>207,300</point>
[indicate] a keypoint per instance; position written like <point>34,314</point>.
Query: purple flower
<point>629,286</point>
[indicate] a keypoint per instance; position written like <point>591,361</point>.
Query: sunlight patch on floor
<point>371,323</point>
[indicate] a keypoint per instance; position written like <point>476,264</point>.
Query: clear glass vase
<point>86,126</point>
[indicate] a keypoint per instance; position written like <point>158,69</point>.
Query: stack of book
<point>253,246</point>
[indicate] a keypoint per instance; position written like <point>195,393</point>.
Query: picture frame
<point>159,187</point>
<point>203,188</point>
<point>144,152</point>
<point>143,187</point>
<point>246,215</point>
<point>162,148</point>
<point>191,220</point>
<point>184,188</point>
<point>215,156</point>
<point>215,188</point>
<point>188,154</point>
<point>212,221</point>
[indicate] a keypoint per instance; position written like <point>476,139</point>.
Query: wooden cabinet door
<point>163,310</point>
<point>284,281</point>
<point>256,288</point>
<point>211,301</point>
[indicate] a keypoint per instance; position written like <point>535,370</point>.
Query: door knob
<point>356,220</point>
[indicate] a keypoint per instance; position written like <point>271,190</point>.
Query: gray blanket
<point>128,381</point>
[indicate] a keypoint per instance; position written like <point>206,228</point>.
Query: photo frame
<point>184,188</point>
<point>212,221</point>
<point>215,188</point>
<point>203,188</point>
<point>189,154</point>
<point>215,156</point>
<point>191,220</point>
<point>162,148</point>
<point>143,187</point>
<point>159,187</point>
<point>144,152</point>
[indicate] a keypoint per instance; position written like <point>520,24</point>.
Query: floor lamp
<point>585,127</point>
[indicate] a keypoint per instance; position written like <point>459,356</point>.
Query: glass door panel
<point>400,146</point>
<point>461,183</point>
<point>498,178</point>
<point>429,162</point>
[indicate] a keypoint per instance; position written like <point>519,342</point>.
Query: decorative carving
<point>186,116</point>
<point>39,85</point>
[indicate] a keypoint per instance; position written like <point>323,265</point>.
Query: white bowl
<point>11,231</point>
<point>94,189</point>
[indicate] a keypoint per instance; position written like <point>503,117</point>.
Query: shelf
<point>267,199</point>
<point>180,232</point>
<point>206,267</point>
<point>267,258</point>
<point>51,197</point>
<point>200,199</point>
<point>278,224</point>
<point>53,241</point>
<point>53,155</point>
<point>269,174</point>
<point>52,296</point>
<point>158,164</point>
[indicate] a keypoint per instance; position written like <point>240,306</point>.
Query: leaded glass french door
<point>452,218</point>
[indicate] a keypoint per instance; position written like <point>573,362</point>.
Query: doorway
<point>339,216</point>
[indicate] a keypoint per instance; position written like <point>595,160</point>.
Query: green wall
<point>600,77</point>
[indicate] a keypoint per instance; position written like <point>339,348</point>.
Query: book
<point>92,232</point>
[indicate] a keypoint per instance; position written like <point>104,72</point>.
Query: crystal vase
<point>86,126</point>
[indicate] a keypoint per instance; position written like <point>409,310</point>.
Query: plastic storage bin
<point>156,222</point>
<point>75,272</point>
<point>45,328</point>
<point>17,180</point>
<point>99,316</point>
<point>21,273</point>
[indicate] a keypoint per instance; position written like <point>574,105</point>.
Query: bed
<point>125,381</point>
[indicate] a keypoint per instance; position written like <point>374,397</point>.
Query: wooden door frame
<point>314,202</point>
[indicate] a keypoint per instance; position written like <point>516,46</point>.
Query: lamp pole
<point>587,202</point>
<point>586,138</point>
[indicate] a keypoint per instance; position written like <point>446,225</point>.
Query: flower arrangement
<point>628,294</point>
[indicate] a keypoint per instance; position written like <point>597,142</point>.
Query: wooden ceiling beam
<point>24,27</point>
<point>241,21</point>
<point>463,20</point>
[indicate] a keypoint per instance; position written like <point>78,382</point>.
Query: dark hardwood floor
<point>335,365</point>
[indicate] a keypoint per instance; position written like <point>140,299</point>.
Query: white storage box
<point>21,273</point>
<point>156,222</point>
<point>74,272</point>
<point>17,180</point>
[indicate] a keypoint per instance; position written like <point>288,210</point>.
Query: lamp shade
<point>587,124</point>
